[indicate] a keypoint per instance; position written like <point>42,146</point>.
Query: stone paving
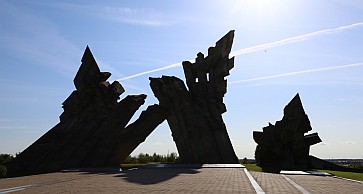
<point>273,183</point>
<point>174,180</point>
<point>327,184</point>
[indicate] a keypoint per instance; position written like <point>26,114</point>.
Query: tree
<point>172,157</point>
<point>143,158</point>
<point>2,171</point>
<point>146,158</point>
<point>130,160</point>
<point>5,158</point>
<point>157,158</point>
<point>244,160</point>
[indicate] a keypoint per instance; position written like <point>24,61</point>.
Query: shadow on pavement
<point>147,176</point>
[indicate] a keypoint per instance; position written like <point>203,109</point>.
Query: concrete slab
<point>142,180</point>
<point>315,173</point>
<point>177,180</point>
<point>293,172</point>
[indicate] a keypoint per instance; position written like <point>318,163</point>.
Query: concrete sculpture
<point>195,115</point>
<point>92,130</point>
<point>284,145</point>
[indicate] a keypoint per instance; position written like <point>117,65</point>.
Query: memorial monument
<point>195,115</point>
<point>284,146</point>
<point>92,130</point>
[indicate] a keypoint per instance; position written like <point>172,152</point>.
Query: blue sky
<point>281,47</point>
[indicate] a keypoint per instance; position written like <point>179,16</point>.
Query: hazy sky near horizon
<point>281,47</point>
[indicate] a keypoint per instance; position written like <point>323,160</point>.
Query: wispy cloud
<point>355,99</point>
<point>266,46</point>
<point>323,143</point>
<point>140,16</point>
<point>297,73</point>
<point>36,39</point>
<point>16,128</point>
<point>15,90</point>
<point>131,86</point>
<point>349,142</point>
<point>135,16</point>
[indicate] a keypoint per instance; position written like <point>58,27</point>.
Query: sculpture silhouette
<point>195,115</point>
<point>91,131</point>
<point>283,145</point>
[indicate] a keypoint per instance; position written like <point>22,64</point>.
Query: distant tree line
<point>247,161</point>
<point>4,159</point>
<point>139,159</point>
<point>356,165</point>
<point>350,163</point>
<point>155,158</point>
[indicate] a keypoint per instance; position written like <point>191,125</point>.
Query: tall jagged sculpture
<point>195,115</point>
<point>91,131</point>
<point>283,146</point>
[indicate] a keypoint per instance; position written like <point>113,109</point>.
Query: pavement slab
<point>164,180</point>
<point>327,184</point>
<point>273,183</point>
<point>175,180</point>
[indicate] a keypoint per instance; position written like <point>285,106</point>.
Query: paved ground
<point>177,180</point>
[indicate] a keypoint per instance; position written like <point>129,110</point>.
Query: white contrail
<point>297,72</point>
<point>261,47</point>
<point>292,40</point>
<point>151,71</point>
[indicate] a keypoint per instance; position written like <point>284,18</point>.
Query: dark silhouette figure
<point>195,115</point>
<point>92,130</point>
<point>284,145</point>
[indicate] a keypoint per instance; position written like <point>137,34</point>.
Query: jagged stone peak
<point>294,107</point>
<point>212,68</point>
<point>89,73</point>
<point>224,44</point>
<point>88,56</point>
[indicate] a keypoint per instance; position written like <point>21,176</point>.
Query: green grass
<point>253,167</point>
<point>350,175</point>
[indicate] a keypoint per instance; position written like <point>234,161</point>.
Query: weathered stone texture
<point>283,145</point>
<point>195,115</point>
<point>91,132</point>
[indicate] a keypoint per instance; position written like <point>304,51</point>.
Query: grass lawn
<point>252,167</point>
<point>350,175</point>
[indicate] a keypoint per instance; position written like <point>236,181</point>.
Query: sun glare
<point>257,6</point>
<point>260,12</point>
<point>262,3</point>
